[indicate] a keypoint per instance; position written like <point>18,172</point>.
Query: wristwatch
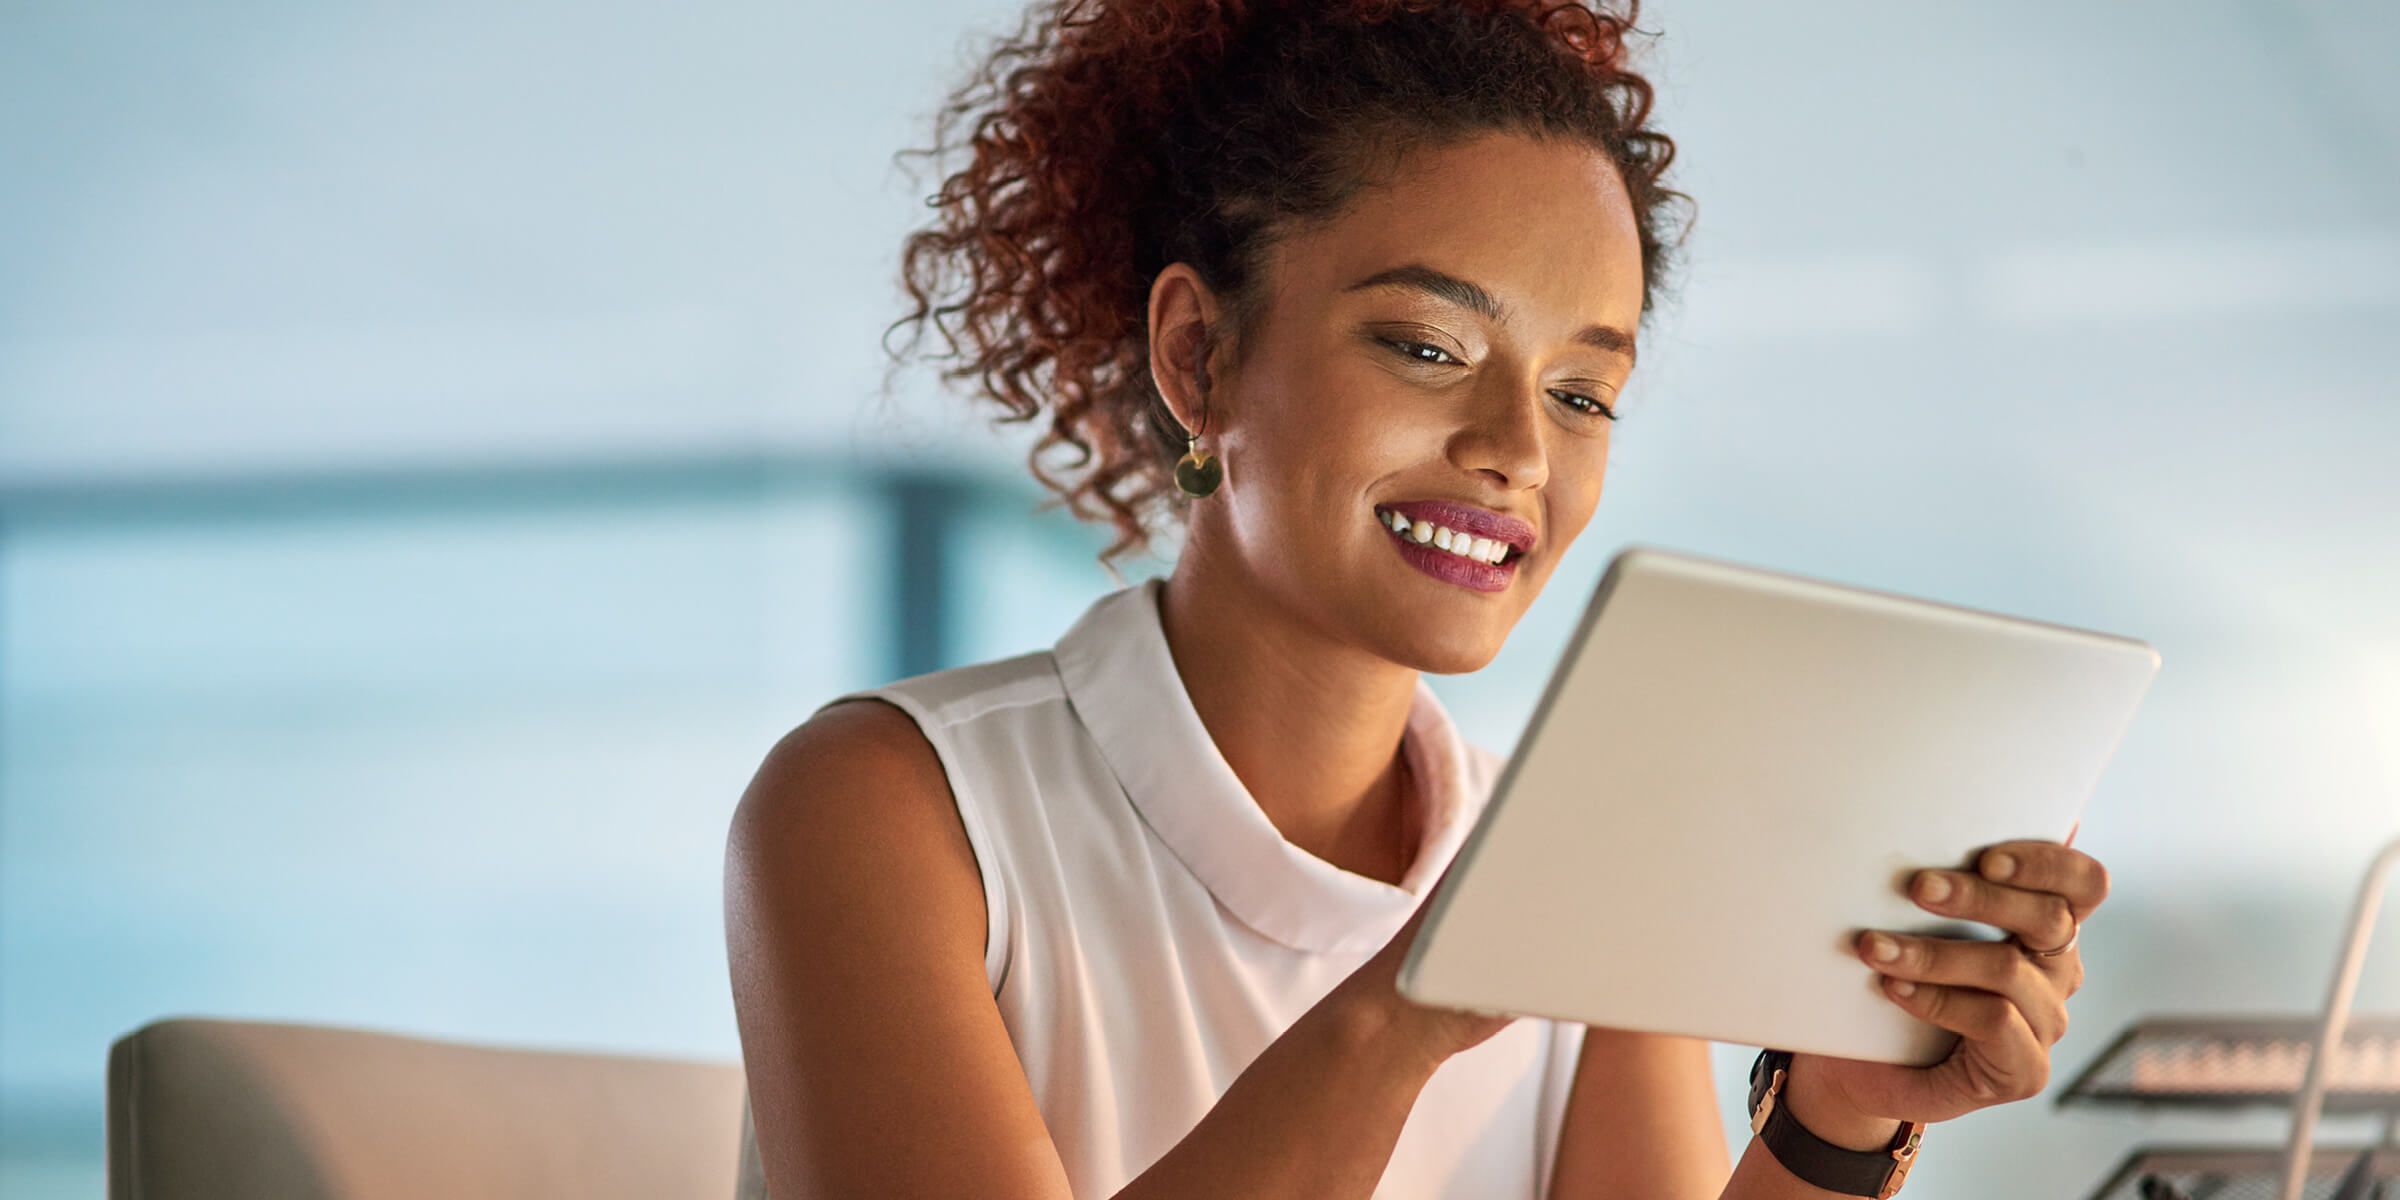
<point>1819,1162</point>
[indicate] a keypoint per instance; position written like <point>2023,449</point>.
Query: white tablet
<point>1732,772</point>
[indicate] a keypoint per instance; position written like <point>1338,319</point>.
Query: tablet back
<point>1732,772</point>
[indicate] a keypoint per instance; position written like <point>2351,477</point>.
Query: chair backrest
<point>207,1109</point>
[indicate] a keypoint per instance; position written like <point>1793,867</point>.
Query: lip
<point>1466,518</point>
<point>1450,568</point>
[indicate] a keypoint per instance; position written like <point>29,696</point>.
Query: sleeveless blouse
<point>1150,931</point>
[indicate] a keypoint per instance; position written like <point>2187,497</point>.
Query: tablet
<point>1732,772</point>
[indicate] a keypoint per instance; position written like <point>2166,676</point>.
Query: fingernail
<point>1999,866</point>
<point>1903,987</point>
<point>1882,947</point>
<point>1936,887</point>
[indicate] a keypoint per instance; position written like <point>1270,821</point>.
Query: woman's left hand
<point>2008,1005</point>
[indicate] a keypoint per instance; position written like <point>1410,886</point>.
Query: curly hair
<point>1112,139</point>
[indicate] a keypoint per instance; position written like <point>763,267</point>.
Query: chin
<point>1439,639</point>
<point>1459,653</point>
<point>1458,666</point>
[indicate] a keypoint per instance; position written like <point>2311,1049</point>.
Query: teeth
<point>1442,537</point>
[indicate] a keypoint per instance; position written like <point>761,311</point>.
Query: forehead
<point>1546,226</point>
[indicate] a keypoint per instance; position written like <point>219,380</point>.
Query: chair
<point>206,1109</point>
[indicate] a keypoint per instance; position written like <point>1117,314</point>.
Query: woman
<point>1121,917</point>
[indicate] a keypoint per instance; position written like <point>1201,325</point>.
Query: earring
<point>1198,473</point>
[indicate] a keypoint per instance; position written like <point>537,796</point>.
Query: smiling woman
<point>1120,917</point>
<point>1110,141</point>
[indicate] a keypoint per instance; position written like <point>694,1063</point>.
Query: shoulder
<point>854,753</point>
<point>955,696</point>
<point>889,753</point>
<point>850,806</point>
<point>876,791</point>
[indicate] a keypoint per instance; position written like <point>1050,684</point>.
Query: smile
<point>1477,562</point>
<point>1448,540</point>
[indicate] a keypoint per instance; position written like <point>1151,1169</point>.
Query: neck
<point>1310,724</point>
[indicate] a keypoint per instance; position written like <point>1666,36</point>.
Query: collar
<point>1121,680</point>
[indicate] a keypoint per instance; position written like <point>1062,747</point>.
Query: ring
<point>2033,953</point>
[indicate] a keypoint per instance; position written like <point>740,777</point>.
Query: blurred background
<point>438,458</point>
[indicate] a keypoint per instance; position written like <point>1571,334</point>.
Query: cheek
<point>1575,489</point>
<point>1331,433</point>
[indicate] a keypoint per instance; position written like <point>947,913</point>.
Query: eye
<point>1407,349</point>
<point>1598,408</point>
<point>1588,405</point>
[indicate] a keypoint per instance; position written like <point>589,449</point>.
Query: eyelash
<point>1402,347</point>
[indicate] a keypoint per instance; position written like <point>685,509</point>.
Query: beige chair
<point>202,1109</point>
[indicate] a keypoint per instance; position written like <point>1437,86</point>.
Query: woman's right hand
<point>1437,1032</point>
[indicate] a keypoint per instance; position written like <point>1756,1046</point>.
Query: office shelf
<point>2333,1061</point>
<point>2221,1062</point>
<point>2237,1173</point>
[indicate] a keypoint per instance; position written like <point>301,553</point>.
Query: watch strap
<point>1814,1160</point>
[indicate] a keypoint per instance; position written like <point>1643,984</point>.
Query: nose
<point>1503,439</point>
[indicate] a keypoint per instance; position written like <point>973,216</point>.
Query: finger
<point>2006,1062</point>
<point>1996,967</point>
<point>2042,920</point>
<point>2047,867</point>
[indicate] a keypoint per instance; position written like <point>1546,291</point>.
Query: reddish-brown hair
<point>1110,139</point>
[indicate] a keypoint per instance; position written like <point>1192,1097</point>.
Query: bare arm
<point>877,1060</point>
<point>1641,1120</point>
<point>854,922</point>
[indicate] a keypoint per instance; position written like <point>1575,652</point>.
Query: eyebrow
<point>1469,295</point>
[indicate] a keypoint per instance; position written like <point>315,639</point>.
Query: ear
<point>1183,310</point>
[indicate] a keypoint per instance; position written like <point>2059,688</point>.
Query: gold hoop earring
<point>1198,472</point>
